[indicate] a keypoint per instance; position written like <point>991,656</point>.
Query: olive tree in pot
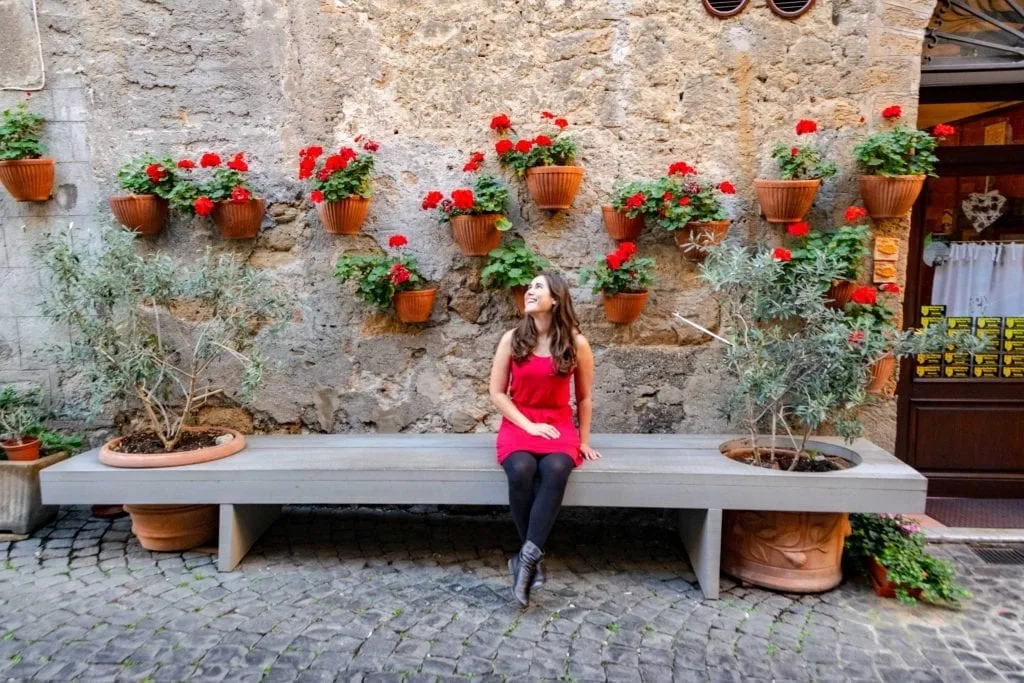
<point>149,183</point>
<point>798,365</point>
<point>512,267</point>
<point>24,171</point>
<point>162,337</point>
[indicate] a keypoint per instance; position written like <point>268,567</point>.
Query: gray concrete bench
<point>684,472</point>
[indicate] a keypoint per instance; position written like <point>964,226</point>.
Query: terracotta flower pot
<point>882,585</point>
<point>619,227</point>
<point>476,235</point>
<point>625,307</point>
<point>519,296</point>
<point>108,456</point>
<point>796,552</point>
<point>880,372</point>
<point>892,196</point>
<point>28,180</point>
<point>345,216</point>
<point>239,220</point>
<point>173,528</point>
<point>554,187</point>
<point>839,293</point>
<point>786,201</point>
<point>23,450</point>
<point>698,234</point>
<point>141,213</point>
<point>415,306</point>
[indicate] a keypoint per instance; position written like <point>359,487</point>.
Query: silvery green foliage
<point>148,328</point>
<point>21,411</point>
<point>799,364</point>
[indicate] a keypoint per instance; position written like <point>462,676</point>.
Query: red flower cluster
<point>547,115</point>
<point>943,130</point>
<point>156,173</point>
<point>684,201</point>
<point>805,126</point>
<point>636,201</point>
<point>866,296</point>
<point>562,123</point>
<point>800,229</point>
<point>397,241</point>
<point>503,146</point>
<point>855,213</point>
<point>725,187</point>
<point>617,258</point>
<point>203,206</point>
<point>187,164</point>
<point>501,123</point>
<point>398,274</point>
<point>209,160</point>
<point>893,112</point>
<point>524,146</point>
<point>855,337</point>
<point>891,288</point>
<point>237,163</point>
<point>782,254</point>
<point>432,200</point>
<point>542,141</point>
<point>240,195</point>
<point>793,151</point>
<point>307,160</point>
<point>463,199</point>
<point>681,168</point>
<point>475,159</point>
<point>369,145</point>
<point>316,196</point>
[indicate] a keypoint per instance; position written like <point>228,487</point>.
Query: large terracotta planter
<point>625,307</point>
<point>345,216</point>
<point>880,372</point>
<point>840,293</point>
<point>890,196</point>
<point>415,306</point>
<point>23,450</point>
<point>477,234</point>
<point>21,503</point>
<point>786,201</point>
<point>145,214</point>
<point>28,180</point>
<point>239,220</point>
<point>881,584</point>
<point>108,456</point>
<point>519,296</point>
<point>696,235</point>
<point>554,187</point>
<point>173,528</point>
<point>619,227</point>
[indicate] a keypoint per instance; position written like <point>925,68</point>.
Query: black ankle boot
<point>539,576</point>
<point>524,567</point>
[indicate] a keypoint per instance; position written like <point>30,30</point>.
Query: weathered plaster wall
<point>644,83</point>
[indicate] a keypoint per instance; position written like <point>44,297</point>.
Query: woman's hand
<point>588,453</point>
<point>543,430</point>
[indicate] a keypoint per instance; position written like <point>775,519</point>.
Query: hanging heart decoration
<point>982,209</point>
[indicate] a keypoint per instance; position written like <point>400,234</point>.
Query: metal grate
<point>725,8</point>
<point>1000,554</point>
<point>790,9</point>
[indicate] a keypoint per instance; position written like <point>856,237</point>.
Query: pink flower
<point>316,196</point>
<point>782,254</point>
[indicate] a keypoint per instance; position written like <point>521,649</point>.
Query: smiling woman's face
<point>538,296</point>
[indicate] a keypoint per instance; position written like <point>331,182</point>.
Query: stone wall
<point>644,83</point>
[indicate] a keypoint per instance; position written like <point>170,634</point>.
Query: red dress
<point>542,396</point>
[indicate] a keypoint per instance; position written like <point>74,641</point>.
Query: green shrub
<point>19,134</point>
<point>513,265</point>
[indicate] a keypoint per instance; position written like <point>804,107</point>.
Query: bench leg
<point>240,527</point>
<point>701,533</point>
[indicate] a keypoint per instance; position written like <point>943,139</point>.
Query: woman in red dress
<point>534,369</point>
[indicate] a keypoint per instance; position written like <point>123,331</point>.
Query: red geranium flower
<point>855,213</point>
<point>432,199</point>
<point>805,126</point>
<point>626,249</point>
<point>547,115</point>
<point>542,140</point>
<point>891,288</point>
<point>471,166</point>
<point>324,174</point>
<point>240,194</point>
<point>855,337</point>
<point>209,160</point>
<point>562,123</point>
<point>681,168</point>
<point>476,156</point>
<point>313,151</point>
<point>306,167</point>
<point>203,206</point>
<point>668,196</point>
<point>684,201</point>
<point>793,151</point>
<point>238,163</point>
<point>503,146</point>
<point>943,130</point>
<point>865,295</point>
<point>524,146</point>
<point>348,154</point>
<point>636,201</point>
<point>463,199</point>
<point>399,274</point>
<point>614,261</point>
<point>799,229</point>
<point>186,163</point>
<point>725,187</point>
<point>782,254</point>
<point>501,123</point>
<point>316,196</point>
<point>335,162</point>
<point>156,173</point>
<point>371,145</point>
<point>397,241</point>
<point>893,112</point>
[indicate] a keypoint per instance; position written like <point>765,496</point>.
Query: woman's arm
<point>500,397</point>
<point>584,401</point>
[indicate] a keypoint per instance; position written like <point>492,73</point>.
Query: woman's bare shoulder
<point>506,339</point>
<point>580,340</point>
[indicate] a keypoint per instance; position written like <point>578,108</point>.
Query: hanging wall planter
<point>625,307</point>
<point>890,196</point>
<point>415,305</point>
<point>476,234</point>
<point>619,226</point>
<point>145,214</point>
<point>476,214</point>
<point>24,171</point>
<point>694,236</point>
<point>786,201</point>
<point>880,372</point>
<point>239,220</point>
<point>622,279</point>
<point>28,180</point>
<point>547,161</point>
<point>839,293</point>
<point>344,216</point>
<point>554,187</point>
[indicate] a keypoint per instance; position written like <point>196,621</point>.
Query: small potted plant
<point>20,417</point>
<point>691,209</point>
<point>149,183</point>
<point>872,314</point>
<point>892,550</point>
<point>846,248</point>
<point>384,280</point>
<point>547,161</point>
<point>801,170</point>
<point>476,215</point>
<point>225,194</point>
<point>24,171</point>
<point>340,185</point>
<point>622,279</point>
<point>894,164</point>
<point>512,267</point>
<point>161,336</point>
<point>624,216</point>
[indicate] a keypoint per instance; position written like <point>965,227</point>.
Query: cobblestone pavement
<point>391,595</point>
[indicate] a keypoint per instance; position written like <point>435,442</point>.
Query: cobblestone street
<point>392,595</point>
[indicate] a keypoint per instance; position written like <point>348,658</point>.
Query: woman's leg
<point>554,469</point>
<point>521,469</point>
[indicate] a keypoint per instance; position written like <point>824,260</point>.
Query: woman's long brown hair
<point>564,325</point>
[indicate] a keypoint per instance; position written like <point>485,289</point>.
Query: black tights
<point>535,506</point>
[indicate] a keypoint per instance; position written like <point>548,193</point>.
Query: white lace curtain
<point>981,279</point>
